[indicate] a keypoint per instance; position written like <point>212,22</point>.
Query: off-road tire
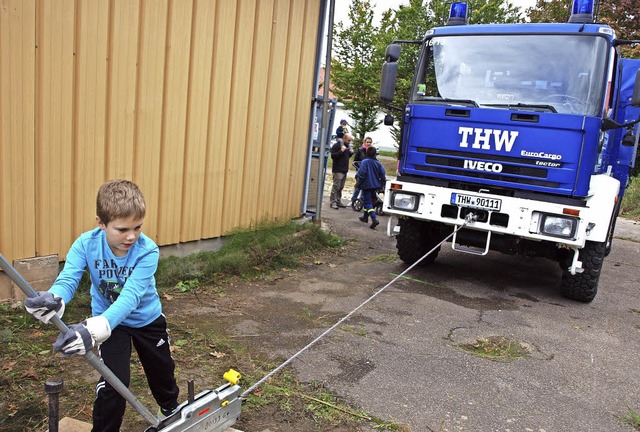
<point>583,287</point>
<point>414,240</point>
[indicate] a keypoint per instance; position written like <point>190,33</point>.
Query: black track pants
<point>152,345</point>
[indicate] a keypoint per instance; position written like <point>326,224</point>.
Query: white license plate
<point>476,202</point>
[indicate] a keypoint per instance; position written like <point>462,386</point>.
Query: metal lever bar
<point>90,356</point>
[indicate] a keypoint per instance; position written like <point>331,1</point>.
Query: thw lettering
<point>483,138</point>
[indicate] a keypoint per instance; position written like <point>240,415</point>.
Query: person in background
<point>125,305</point>
<point>341,152</point>
<point>341,130</point>
<point>360,154</point>
<point>371,176</point>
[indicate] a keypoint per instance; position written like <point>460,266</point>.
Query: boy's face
<point>121,233</point>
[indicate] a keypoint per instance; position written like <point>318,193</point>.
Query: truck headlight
<point>405,201</point>
<point>559,226</point>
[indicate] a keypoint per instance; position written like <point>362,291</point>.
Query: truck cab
<point>523,133</point>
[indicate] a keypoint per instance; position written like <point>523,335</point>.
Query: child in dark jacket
<point>371,176</point>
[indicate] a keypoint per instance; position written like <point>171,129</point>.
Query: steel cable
<point>468,219</point>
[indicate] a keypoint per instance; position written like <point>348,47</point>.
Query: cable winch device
<point>211,410</point>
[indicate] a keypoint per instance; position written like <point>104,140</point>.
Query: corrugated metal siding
<point>204,103</point>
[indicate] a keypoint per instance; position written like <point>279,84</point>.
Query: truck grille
<point>514,169</point>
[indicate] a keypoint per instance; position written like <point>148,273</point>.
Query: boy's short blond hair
<point>119,199</point>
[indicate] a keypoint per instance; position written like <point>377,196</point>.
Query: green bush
<point>630,207</point>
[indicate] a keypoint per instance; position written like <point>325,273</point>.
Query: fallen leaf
<point>217,354</point>
<point>9,366</point>
<point>29,373</point>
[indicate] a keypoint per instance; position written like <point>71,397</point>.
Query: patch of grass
<point>322,406</point>
<point>393,154</point>
<point>496,348</point>
<point>632,418</point>
<point>356,330</point>
<point>390,166</point>
<point>630,207</point>
<point>246,254</point>
<point>383,258</point>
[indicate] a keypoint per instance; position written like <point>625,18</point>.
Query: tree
<point>621,15</point>
<point>354,68</point>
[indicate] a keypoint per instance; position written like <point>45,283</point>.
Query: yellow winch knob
<point>232,376</point>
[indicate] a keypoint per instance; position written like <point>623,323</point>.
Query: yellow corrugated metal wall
<point>204,103</point>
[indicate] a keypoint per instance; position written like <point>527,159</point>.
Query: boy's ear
<point>100,223</point>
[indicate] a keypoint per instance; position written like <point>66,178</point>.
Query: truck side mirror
<point>388,81</point>
<point>389,72</point>
<point>635,98</point>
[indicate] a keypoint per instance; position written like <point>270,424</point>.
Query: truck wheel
<point>414,240</point>
<point>584,286</point>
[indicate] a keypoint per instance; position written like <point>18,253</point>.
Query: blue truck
<point>527,130</point>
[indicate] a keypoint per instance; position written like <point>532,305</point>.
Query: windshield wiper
<point>447,101</point>
<point>518,106</point>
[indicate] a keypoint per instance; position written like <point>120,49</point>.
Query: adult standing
<point>341,152</point>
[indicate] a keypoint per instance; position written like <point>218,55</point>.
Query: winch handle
<point>90,356</point>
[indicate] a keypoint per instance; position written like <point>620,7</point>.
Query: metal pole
<point>53,389</point>
<point>325,110</point>
<point>90,356</point>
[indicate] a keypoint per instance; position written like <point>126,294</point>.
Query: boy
<point>371,176</point>
<point>125,305</point>
<point>341,130</point>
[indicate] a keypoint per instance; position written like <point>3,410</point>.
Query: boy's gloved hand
<point>82,337</point>
<point>44,306</point>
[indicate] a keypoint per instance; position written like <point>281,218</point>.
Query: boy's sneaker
<point>164,413</point>
<point>374,224</point>
<point>364,219</point>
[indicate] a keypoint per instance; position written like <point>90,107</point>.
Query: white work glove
<point>44,306</point>
<point>82,337</point>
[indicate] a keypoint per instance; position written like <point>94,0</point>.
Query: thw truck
<point>529,130</point>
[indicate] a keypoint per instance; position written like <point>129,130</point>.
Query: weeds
<point>247,254</point>
<point>496,348</point>
<point>630,207</point>
<point>632,418</point>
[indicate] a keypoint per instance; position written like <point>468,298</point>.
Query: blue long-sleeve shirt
<point>123,289</point>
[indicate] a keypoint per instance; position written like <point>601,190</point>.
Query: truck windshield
<point>556,73</point>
